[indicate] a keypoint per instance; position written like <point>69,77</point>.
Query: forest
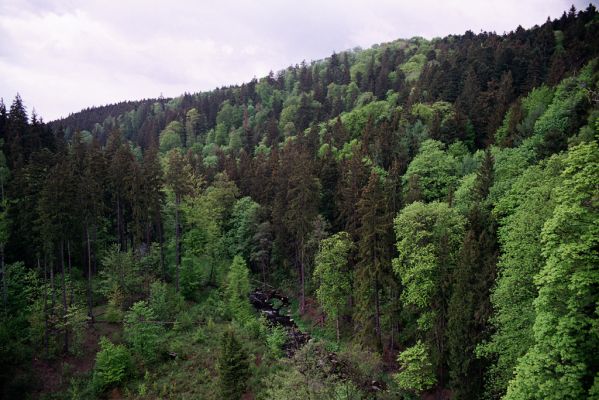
<point>422,214</point>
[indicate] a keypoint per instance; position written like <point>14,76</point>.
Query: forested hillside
<point>430,208</point>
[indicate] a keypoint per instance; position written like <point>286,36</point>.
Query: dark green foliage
<point>125,206</point>
<point>233,368</point>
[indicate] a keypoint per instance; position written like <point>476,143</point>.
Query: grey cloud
<point>65,55</point>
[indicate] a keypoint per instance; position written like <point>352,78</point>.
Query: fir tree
<point>233,368</point>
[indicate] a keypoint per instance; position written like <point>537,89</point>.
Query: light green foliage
<point>356,120</point>
<point>75,322</point>
<point>464,195</point>
<point>467,162</point>
<point>434,169</point>
<point>510,163</point>
<point>229,116</point>
<point>288,114</point>
<point>568,95</point>
<point>237,291</point>
<point>441,110</point>
<point>525,208</point>
<point>307,375</point>
<point>235,143</point>
<point>332,273</point>
<point>413,67</point>
<point>23,286</point>
<point>364,99</point>
<point>428,237</point>
<point>562,362</point>
<point>347,390</point>
<point>203,228</point>
<point>193,122</point>
<point>170,137</point>
<point>335,93</point>
<point>532,107</point>
<point>351,95</point>
<point>428,240</point>
<point>416,370</point>
<point>243,226</point>
<point>113,365</point>
<point>275,340</point>
<point>265,93</point>
<point>120,274</point>
<point>206,216</point>
<point>144,332</point>
<point>165,302</point>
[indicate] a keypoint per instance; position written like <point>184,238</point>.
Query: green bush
<point>144,332</point>
<point>275,341</point>
<point>113,364</point>
<point>165,302</point>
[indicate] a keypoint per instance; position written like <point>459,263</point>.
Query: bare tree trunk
<point>377,315</point>
<point>89,277</point>
<point>337,323</point>
<point>4,283</point>
<point>64,298</point>
<point>177,241</point>
<point>302,279</point>
<point>119,222</point>
<point>46,341</point>
<point>161,242</point>
<point>95,260</point>
<point>72,287</point>
<point>53,292</point>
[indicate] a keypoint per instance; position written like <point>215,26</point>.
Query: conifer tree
<point>233,368</point>
<point>374,257</point>
<point>303,197</point>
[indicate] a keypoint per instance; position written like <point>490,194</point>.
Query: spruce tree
<point>233,368</point>
<point>374,258</point>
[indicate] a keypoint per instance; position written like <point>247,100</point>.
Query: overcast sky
<point>65,55</point>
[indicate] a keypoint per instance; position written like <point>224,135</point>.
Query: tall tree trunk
<point>177,241</point>
<point>90,312</point>
<point>377,315</point>
<point>119,222</point>
<point>64,298</point>
<point>148,235</point>
<point>46,329</point>
<point>302,279</point>
<point>52,291</point>
<point>4,283</point>
<point>94,239</point>
<point>71,286</point>
<point>161,243</point>
<point>337,326</point>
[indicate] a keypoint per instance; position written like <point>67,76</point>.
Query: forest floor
<point>54,375</point>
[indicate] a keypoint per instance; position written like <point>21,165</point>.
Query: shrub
<point>275,341</point>
<point>416,370</point>
<point>113,364</point>
<point>165,302</point>
<point>143,332</point>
